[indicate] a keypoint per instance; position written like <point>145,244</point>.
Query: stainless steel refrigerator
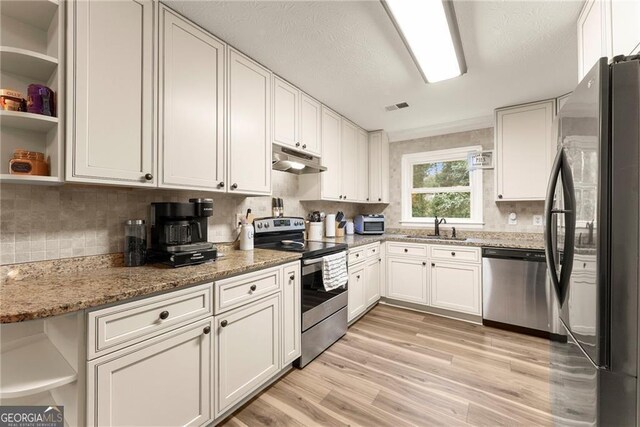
<point>592,247</point>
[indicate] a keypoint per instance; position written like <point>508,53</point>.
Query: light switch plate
<point>537,220</point>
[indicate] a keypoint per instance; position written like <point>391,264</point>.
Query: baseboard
<point>432,310</point>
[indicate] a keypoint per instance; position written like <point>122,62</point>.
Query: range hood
<point>288,160</point>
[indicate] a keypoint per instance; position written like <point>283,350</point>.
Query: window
<point>439,183</point>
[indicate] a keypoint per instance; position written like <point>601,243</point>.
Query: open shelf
<point>27,63</point>
<point>38,13</point>
<point>41,368</point>
<point>27,121</point>
<point>7,178</point>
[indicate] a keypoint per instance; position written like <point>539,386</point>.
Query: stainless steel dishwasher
<point>516,293</point>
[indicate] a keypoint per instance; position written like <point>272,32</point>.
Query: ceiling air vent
<point>396,106</point>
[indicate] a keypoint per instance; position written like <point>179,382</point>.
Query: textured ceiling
<point>348,55</point>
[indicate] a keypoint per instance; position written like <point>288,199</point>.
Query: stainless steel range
<point>324,313</point>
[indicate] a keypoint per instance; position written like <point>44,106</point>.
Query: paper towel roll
<point>330,225</point>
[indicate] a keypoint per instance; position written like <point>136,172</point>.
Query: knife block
<point>339,231</point>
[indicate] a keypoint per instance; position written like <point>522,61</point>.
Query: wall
<point>495,214</point>
<point>39,222</point>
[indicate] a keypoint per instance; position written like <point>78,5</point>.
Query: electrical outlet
<point>513,218</point>
<point>537,220</point>
<point>238,219</point>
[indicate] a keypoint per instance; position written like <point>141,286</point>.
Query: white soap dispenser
<point>246,236</point>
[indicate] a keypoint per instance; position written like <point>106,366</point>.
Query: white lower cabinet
<point>407,279</point>
<point>356,291</point>
<point>456,286</point>
<point>372,277</point>
<point>247,350</point>
<point>291,313</point>
<point>163,381</point>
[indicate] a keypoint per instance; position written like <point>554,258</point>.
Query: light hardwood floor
<point>397,367</point>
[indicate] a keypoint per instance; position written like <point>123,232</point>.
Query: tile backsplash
<point>42,223</point>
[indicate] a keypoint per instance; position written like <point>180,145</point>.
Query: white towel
<point>334,271</point>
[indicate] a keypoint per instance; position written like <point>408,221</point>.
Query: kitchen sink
<point>431,237</point>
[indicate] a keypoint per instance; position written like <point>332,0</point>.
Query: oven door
<point>317,303</point>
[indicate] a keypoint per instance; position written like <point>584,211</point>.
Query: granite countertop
<point>494,240</point>
<point>30,291</point>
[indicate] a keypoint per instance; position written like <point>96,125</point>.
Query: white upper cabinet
<point>286,107</point>
<point>592,43</point>
<point>310,122</point>
<point>191,106</point>
<point>248,126</point>
<point>524,150</point>
<point>607,28</point>
<point>623,26</point>
<point>331,155</point>
<point>362,165</point>
<point>378,167</point>
<point>110,92</point>
<point>349,148</point>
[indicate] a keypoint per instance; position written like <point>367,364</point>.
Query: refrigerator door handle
<point>550,224</point>
<point>569,192</point>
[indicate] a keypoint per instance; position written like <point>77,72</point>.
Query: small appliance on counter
<point>369,224</point>
<point>179,233</point>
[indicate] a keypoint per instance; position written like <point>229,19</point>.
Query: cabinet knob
<point>433,264</point>
<point>499,196</point>
<point>224,323</point>
<point>357,255</point>
<point>358,277</point>
<point>304,145</point>
<point>292,277</point>
<point>584,265</point>
<point>367,199</point>
<point>379,259</point>
<point>379,199</point>
<point>297,144</point>
<point>206,330</point>
<point>453,254</point>
<point>424,263</point>
<point>406,250</point>
<point>253,288</point>
<point>345,197</point>
<point>234,186</point>
<point>221,185</point>
<point>340,197</point>
<point>164,315</point>
<point>148,176</point>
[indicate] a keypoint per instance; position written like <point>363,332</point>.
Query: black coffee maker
<point>179,232</point>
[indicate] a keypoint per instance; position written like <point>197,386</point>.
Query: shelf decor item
<point>28,163</point>
<point>11,100</point>
<point>40,100</point>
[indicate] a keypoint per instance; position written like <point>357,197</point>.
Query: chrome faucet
<point>442,220</point>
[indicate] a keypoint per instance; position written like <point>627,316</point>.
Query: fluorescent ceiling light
<point>430,31</point>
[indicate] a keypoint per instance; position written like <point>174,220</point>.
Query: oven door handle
<point>311,261</point>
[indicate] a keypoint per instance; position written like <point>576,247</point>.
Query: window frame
<point>475,186</point>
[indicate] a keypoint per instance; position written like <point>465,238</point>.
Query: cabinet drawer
<point>455,253</point>
<point>116,327</point>
<point>407,249</point>
<point>236,291</point>
<point>584,263</point>
<point>372,251</point>
<point>356,255</point>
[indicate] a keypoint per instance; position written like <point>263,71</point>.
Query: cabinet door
<point>456,286</point>
<point>375,166</point>
<point>591,36</point>
<point>623,25</point>
<point>286,106</point>
<point>249,126</point>
<point>372,286</point>
<point>191,107</point>
<point>310,117</point>
<point>407,279</point>
<point>356,291</point>
<point>331,179</point>
<point>163,381</point>
<point>110,128</point>
<point>362,165</point>
<point>524,150</point>
<point>247,350</point>
<point>349,160</point>
<point>291,315</point>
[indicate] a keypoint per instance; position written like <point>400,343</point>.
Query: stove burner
<point>292,244</point>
